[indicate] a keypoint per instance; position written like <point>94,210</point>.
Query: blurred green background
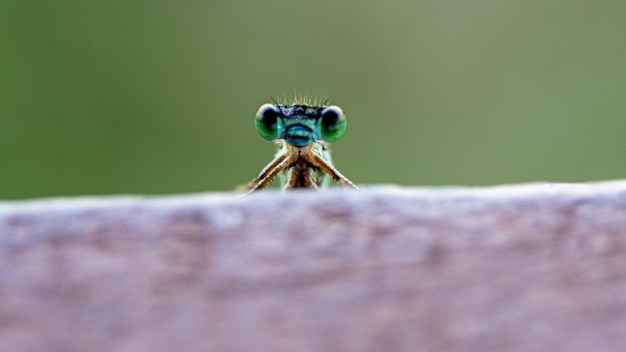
<point>157,97</point>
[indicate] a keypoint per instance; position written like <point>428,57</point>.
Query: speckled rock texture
<point>537,267</point>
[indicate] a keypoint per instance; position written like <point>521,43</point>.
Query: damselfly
<point>302,134</point>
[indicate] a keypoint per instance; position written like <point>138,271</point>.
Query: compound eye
<point>266,121</point>
<point>333,123</point>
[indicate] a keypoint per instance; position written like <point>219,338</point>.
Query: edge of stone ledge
<point>531,189</point>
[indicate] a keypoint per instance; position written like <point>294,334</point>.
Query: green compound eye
<point>333,123</point>
<point>267,122</point>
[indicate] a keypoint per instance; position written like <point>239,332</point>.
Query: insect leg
<point>269,172</point>
<point>319,162</point>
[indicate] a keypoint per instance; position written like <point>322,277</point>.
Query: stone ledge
<point>522,267</point>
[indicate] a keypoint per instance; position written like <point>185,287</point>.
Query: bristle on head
<point>301,99</point>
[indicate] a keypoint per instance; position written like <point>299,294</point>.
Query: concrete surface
<point>536,267</point>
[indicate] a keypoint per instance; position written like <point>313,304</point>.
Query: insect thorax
<point>301,173</point>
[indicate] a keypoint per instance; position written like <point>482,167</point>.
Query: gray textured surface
<point>519,268</point>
